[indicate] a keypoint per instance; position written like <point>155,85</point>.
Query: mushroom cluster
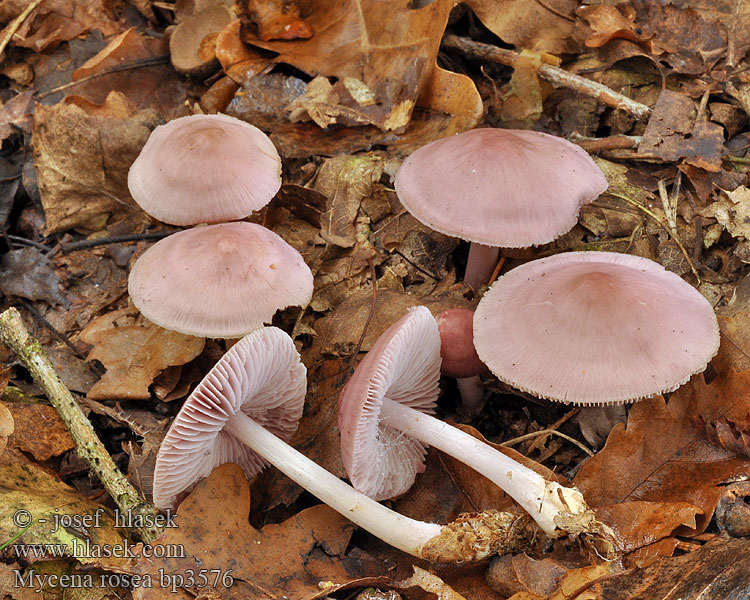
<point>220,280</point>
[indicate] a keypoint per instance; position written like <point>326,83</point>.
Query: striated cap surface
<point>404,366</point>
<point>220,280</point>
<point>205,169</point>
<point>499,187</point>
<point>594,328</point>
<point>262,376</point>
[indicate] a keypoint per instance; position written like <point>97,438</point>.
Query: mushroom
<point>219,280</point>
<point>498,187</point>
<point>192,45</point>
<point>205,169</point>
<point>242,412</point>
<point>594,328</point>
<point>384,426</point>
<point>459,357</point>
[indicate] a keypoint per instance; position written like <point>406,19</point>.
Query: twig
<point>27,242</point>
<point>554,75</point>
<point>613,142</point>
<point>60,337</point>
<point>534,434</point>
<point>16,24</point>
<point>118,239</point>
<point>13,334</point>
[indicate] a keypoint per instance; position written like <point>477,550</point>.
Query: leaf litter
<point>346,90</point>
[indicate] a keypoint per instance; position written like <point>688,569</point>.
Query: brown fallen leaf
<point>134,351</point>
<point>733,511</point>
<point>56,21</point>
<point>278,20</point>
<point>673,132</point>
<point>396,63</point>
<point>718,570</point>
<point>28,273</point>
<point>574,584</point>
<point>289,559</point>
<point>734,323</point>
<point>609,23</point>
<point>429,582</point>
<point>82,163</point>
<point>729,434</point>
<point>687,41</point>
<point>660,457</point>
<point>732,211</point>
<point>39,430</point>
<point>6,426</point>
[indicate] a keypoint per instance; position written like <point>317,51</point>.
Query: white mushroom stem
<point>544,500</point>
<point>480,265</point>
<point>397,530</point>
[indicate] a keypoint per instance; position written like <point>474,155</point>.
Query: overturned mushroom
<point>243,410</point>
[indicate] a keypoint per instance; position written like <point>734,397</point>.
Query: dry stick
<point>14,26</point>
<point>13,334</point>
<point>554,75</point>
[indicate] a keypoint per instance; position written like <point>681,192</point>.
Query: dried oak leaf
<point>684,39</point>
<point>39,430</point>
<point>289,559</point>
<point>277,20</point>
<point>542,27</point>
<point>609,23</point>
<point>396,63</point>
<point>28,273</point>
<point>719,570</point>
<point>660,457</point>
<point>82,164</point>
<point>732,435</point>
<point>673,132</point>
<point>156,85</point>
<point>56,21</point>
<point>134,351</point>
<point>732,211</point>
<point>734,323</point>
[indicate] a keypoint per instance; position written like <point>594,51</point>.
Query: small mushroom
<point>219,280</point>
<point>498,188</point>
<point>192,46</point>
<point>384,427</point>
<point>459,357</point>
<point>242,412</point>
<point>594,328</point>
<point>205,169</point>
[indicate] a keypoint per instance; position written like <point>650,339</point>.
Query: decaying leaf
<point>28,273</point>
<point>289,559</point>
<point>674,132</point>
<point>46,500</point>
<point>82,164</point>
<point>660,457</point>
<point>732,212</point>
<point>430,582</point>
<point>134,351</point>
<point>732,435</point>
<point>397,64</point>
<point>6,426</point>
<point>39,430</point>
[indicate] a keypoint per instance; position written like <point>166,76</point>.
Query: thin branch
<point>16,24</point>
<point>554,75</point>
<point>534,434</point>
<point>118,239</point>
<point>13,334</point>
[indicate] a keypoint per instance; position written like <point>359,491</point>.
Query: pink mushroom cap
<point>262,376</point>
<point>404,366</point>
<point>205,169</point>
<point>459,357</point>
<point>594,328</point>
<point>499,187</point>
<point>219,280</point>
